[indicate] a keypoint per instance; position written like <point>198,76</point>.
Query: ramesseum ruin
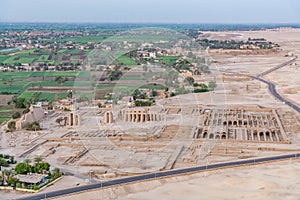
<point>139,139</point>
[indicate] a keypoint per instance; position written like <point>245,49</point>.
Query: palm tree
<point>38,159</point>
<point>27,161</point>
<point>6,174</point>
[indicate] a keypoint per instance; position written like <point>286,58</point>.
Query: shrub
<point>143,103</point>
<point>16,115</point>
<point>11,126</point>
<point>197,90</point>
<point>35,187</point>
<point>20,103</point>
<point>3,162</point>
<point>32,126</point>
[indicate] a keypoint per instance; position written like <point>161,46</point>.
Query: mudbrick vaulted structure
<point>249,124</point>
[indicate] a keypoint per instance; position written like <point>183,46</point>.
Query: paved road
<point>273,91</point>
<point>157,175</point>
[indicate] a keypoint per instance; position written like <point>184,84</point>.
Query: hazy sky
<point>175,11</point>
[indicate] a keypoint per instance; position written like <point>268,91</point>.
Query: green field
<point>5,113</point>
<point>50,96</point>
<point>168,60</point>
<point>85,39</point>
<point>40,55</point>
<point>3,58</point>
<point>125,60</point>
<point>17,82</point>
<point>19,59</point>
<point>142,38</point>
<point>24,75</point>
<point>43,58</point>
<point>12,87</point>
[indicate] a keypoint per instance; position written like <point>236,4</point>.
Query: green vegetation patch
<point>85,39</point>
<point>12,87</point>
<point>125,60</point>
<point>50,96</point>
<point>168,60</point>
<point>3,58</point>
<point>43,58</point>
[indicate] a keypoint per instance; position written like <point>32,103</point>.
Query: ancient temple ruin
<point>139,115</point>
<point>241,124</point>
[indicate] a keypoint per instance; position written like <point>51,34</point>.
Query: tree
<point>41,167</point>
<point>99,105</point>
<point>56,173</point>
<point>21,168</point>
<point>16,115</point>
<point>190,80</point>
<point>3,162</point>
<point>154,93</point>
<point>38,159</point>
<point>212,84</point>
<point>70,94</point>
<point>12,181</point>
<point>20,103</point>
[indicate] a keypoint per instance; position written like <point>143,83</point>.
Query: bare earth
<point>270,181</point>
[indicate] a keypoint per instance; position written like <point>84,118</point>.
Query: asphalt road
<point>273,91</point>
<point>156,175</point>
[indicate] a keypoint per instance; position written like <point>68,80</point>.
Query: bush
<point>3,162</point>
<point>35,187</point>
<point>56,174</point>
<point>18,185</point>
<point>16,115</point>
<point>32,126</point>
<point>143,103</point>
<point>21,103</point>
<point>11,126</point>
<point>197,90</point>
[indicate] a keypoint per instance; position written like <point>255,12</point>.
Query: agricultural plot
<point>141,38</point>
<point>25,59</point>
<point>168,60</point>
<point>12,87</point>
<point>85,39</point>
<point>17,82</point>
<point>125,60</point>
<point>3,58</point>
<point>43,58</point>
<point>41,96</point>
<point>5,113</point>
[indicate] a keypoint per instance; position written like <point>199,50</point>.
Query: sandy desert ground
<point>270,181</point>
